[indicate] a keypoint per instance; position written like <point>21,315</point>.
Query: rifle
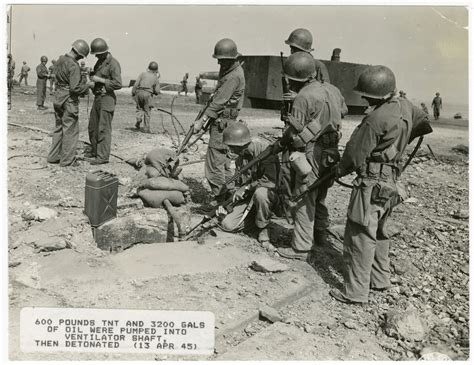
<point>287,104</point>
<point>314,185</point>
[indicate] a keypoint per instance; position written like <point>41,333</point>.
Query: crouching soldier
<point>255,192</point>
<point>375,152</point>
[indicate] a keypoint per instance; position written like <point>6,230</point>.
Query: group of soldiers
<point>306,152</point>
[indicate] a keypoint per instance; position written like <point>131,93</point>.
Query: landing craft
<point>263,81</point>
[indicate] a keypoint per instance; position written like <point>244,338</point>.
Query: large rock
<point>270,314</point>
<point>121,233</point>
<point>405,324</point>
<point>39,214</point>
<point>266,264</point>
<point>54,243</point>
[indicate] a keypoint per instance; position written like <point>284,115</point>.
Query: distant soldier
<point>106,78</point>
<point>43,75</point>
<point>69,86</point>
<point>301,40</point>
<point>402,94</point>
<point>255,191</point>
<point>10,76</point>
<point>424,108</point>
<point>85,78</point>
<point>198,89</point>
<point>437,105</point>
<point>24,73</point>
<point>52,76</point>
<point>146,85</point>
<point>184,85</point>
<point>223,109</point>
<point>374,152</point>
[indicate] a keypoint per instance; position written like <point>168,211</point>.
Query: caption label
<point>116,330</point>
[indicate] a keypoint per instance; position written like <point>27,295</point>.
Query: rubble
<point>265,264</point>
<point>46,244</point>
<point>270,314</point>
<point>405,324</point>
<point>39,214</point>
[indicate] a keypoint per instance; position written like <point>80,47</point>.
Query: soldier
<point>256,189</point>
<point>375,152</point>
<point>85,77</point>
<point>107,78</point>
<point>437,105</point>
<point>43,75</point>
<point>402,94</point>
<point>316,119</point>
<point>52,76</point>
<point>10,76</point>
<point>198,89</point>
<point>184,85</point>
<point>301,40</point>
<point>424,108</point>
<point>69,86</point>
<point>224,108</point>
<point>24,73</point>
<point>147,85</point>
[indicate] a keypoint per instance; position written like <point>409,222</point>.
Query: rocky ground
<point>53,260</point>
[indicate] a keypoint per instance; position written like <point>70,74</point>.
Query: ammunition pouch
<point>388,194</point>
<point>309,133</point>
<point>230,113</point>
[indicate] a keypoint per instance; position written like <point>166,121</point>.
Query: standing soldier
<point>43,75</point>
<point>223,108</point>
<point>85,78</point>
<point>424,108</point>
<point>184,85</point>
<point>69,86</point>
<point>107,78</point>
<point>24,73</point>
<point>316,119</point>
<point>256,190</point>
<point>147,85</point>
<point>375,152</point>
<point>10,76</point>
<point>437,105</point>
<point>52,76</point>
<point>198,89</point>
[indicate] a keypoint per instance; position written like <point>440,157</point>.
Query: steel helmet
<point>437,94</point>
<point>99,46</point>
<point>153,66</point>
<point>81,47</point>
<point>300,66</point>
<point>236,134</point>
<point>44,59</point>
<point>225,49</point>
<point>53,61</point>
<point>301,39</point>
<point>376,82</point>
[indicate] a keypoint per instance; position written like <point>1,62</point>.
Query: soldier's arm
<point>298,113</point>
<point>156,87</point>
<point>115,81</point>
<point>136,84</point>
<point>221,97</point>
<point>363,141</point>
<point>77,86</point>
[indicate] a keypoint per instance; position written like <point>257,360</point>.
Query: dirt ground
<point>430,255</point>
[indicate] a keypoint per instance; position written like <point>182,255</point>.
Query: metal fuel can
<point>101,193</point>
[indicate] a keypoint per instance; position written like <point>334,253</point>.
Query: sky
<point>425,46</point>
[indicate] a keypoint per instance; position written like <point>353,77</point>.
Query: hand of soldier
<point>198,125</point>
<point>221,212</point>
<point>90,84</point>
<point>290,96</point>
<point>239,194</point>
<point>97,79</point>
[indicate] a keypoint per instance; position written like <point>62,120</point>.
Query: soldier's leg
<point>262,200</point>
<point>146,112</point>
<point>380,275</point>
<point>93,125</point>
<point>26,80</point>
<point>70,133</point>
<point>303,215</point>
<point>235,221</point>
<point>54,155</point>
<point>139,111</point>
<point>214,169</point>
<point>104,138</point>
<point>39,91</point>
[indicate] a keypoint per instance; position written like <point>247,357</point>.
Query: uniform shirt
<point>51,69</point>
<point>147,81</point>
<point>25,69</point>
<point>229,91</point>
<point>322,73</point>
<point>263,174</point>
<point>378,131</point>
<point>69,82</point>
<point>110,70</point>
<point>317,100</point>
<point>437,101</point>
<point>42,71</point>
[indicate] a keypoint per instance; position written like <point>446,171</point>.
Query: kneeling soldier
<point>256,189</point>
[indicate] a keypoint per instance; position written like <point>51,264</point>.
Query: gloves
<point>198,125</point>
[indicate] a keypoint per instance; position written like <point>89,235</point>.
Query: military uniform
<point>52,77</point>
<point>322,106</point>
<point>10,76</point>
<point>184,85</point>
<point>24,74</point>
<point>198,90</point>
<point>145,87</point>
<point>437,104</point>
<point>42,72</point>
<point>102,112</point>
<point>69,87</point>
<point>374,151</point>
<point>225,107</point>
<point>322,73</point>
<point>261,182</point>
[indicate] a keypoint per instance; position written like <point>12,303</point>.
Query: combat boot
<point>263,236</point>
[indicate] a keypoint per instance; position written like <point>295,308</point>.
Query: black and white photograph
<point>236,182</point>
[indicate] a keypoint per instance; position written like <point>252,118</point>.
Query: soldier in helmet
<point>437,105</point>
<point>184,85</point>
<point>43,75</point>
<point>146,85</point>
<point>316,121</point>
<point>255,191</point>
<point>198,89</point>
<point>10,75</point>
<point>223,109</point>
<point>69,86</point>
<point>106,78</point>
<point>24,73</point>
<point>52,76</point>
<point>374,152</point>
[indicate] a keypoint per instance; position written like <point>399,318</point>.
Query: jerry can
<point>101,197</point>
